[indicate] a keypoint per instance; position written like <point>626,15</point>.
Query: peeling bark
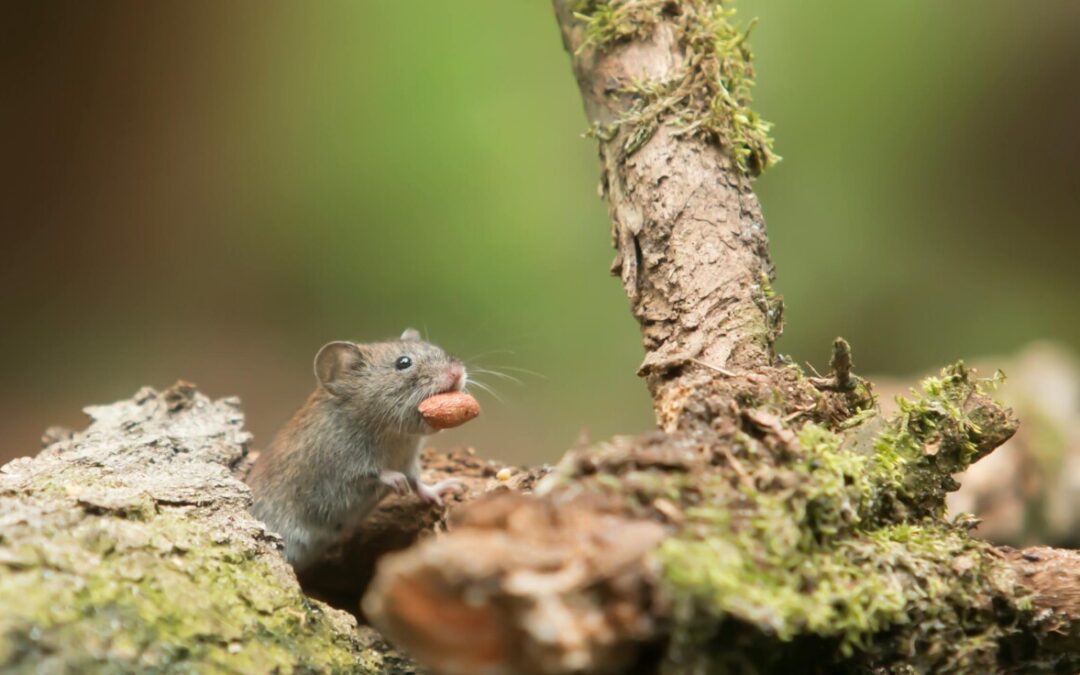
<point>517,568</point>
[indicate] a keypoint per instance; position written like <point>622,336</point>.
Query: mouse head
<point>384,382</point>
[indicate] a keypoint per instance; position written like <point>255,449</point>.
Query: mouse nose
<point>457,377</point>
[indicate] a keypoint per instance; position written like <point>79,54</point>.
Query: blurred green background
<point>212,190</point>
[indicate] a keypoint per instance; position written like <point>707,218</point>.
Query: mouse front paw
<point>433,494</point>
<point>449,485</point>
<point>396,481</point>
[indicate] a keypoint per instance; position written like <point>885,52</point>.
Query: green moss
<point>940,431</point>
<point>837,547</point>
<point>117,596</point>
<point>710,95</point>
<point>607,23</point>
<point>889,589</point>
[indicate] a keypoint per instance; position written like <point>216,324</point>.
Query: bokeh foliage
<point>211,191</point>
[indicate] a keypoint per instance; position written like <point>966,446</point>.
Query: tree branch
<point>689,235</point>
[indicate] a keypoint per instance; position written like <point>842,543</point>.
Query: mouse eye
<point>403,363</point>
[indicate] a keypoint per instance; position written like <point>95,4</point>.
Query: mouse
<point>355,441</point>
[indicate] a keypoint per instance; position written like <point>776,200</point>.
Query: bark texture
<point>689,235</point>
<point>127,547</point>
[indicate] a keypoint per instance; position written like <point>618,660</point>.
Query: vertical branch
<point>691,248</point>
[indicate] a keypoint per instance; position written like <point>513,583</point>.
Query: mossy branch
<point>710,94</point>
<point>667,87</point>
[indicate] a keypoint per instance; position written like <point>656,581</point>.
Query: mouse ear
<point>333,361</point>
<point>411,335</point>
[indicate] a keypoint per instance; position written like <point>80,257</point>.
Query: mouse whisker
<point>484,387</point>
<point>523,371</point>
<point>492,352</point>
<point>496,373</point>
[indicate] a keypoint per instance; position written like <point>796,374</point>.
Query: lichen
<point>115,595</point>
<point>127,548</point>
<point>711,93</point>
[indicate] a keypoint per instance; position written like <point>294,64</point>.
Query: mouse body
<point>355,440</point>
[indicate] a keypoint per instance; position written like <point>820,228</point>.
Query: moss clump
<point>114,595</point>
<point>823,543</point>
<point>919,592</point>
<point>709,96</point>
<point>834,544</point>
<point>607,23</point>
<point>947,425</point>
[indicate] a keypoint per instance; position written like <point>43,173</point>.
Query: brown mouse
<point>356,439</point>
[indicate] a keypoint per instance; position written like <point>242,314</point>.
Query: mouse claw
<point>433,494</point>
<point>396,481</point>
<point>449,485</point>
<point>429,495</point>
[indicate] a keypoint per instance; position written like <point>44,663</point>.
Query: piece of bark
<point>527,586</point>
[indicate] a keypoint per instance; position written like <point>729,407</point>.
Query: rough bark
<point>127,547</point>
<point>776,522</point>
<point>689,235</point>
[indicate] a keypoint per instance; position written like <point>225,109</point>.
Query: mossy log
<point>127,547</point>
<point>776,522</point>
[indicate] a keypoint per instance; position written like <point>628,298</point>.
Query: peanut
<point>452,409</point>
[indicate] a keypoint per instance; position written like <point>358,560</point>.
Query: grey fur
<point>358,432</point>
